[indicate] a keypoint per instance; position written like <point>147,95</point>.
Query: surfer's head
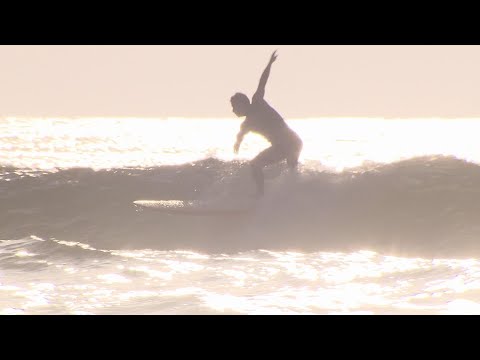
<point>240,104</point>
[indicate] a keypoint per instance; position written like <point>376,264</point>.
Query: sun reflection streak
<point>255,282</point>
<point>337,143</point>
<point>113,278</point>
<point>462,307</point>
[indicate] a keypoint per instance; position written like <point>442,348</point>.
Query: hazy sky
<point>197,81</point>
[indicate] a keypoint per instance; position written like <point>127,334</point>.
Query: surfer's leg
<point>259,179</point>
<point>294,154</point>
<point>266,157</point>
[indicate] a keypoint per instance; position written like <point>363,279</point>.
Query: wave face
<point>426,206</point>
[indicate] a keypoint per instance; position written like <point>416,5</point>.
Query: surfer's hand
<point>273,57</point>
<point>236,147</point>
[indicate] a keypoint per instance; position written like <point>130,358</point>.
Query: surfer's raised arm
<point>259,94</point>
<point>243,131</point>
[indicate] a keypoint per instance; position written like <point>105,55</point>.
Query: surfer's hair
<point>240,99</point>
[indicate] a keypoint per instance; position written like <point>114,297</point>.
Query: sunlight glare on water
<point>338,143</point>
<point>86,270</point>
<point>256,282</point>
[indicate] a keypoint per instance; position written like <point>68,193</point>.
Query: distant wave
<point>421,206</point>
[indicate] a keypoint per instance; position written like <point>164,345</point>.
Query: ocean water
<point>382,218</point>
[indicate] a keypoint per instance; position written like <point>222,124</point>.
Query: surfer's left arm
<point>241,134</point>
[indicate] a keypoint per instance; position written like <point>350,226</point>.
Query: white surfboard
<point>197,207</point>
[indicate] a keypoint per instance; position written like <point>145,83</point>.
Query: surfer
<point>262,119</point>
